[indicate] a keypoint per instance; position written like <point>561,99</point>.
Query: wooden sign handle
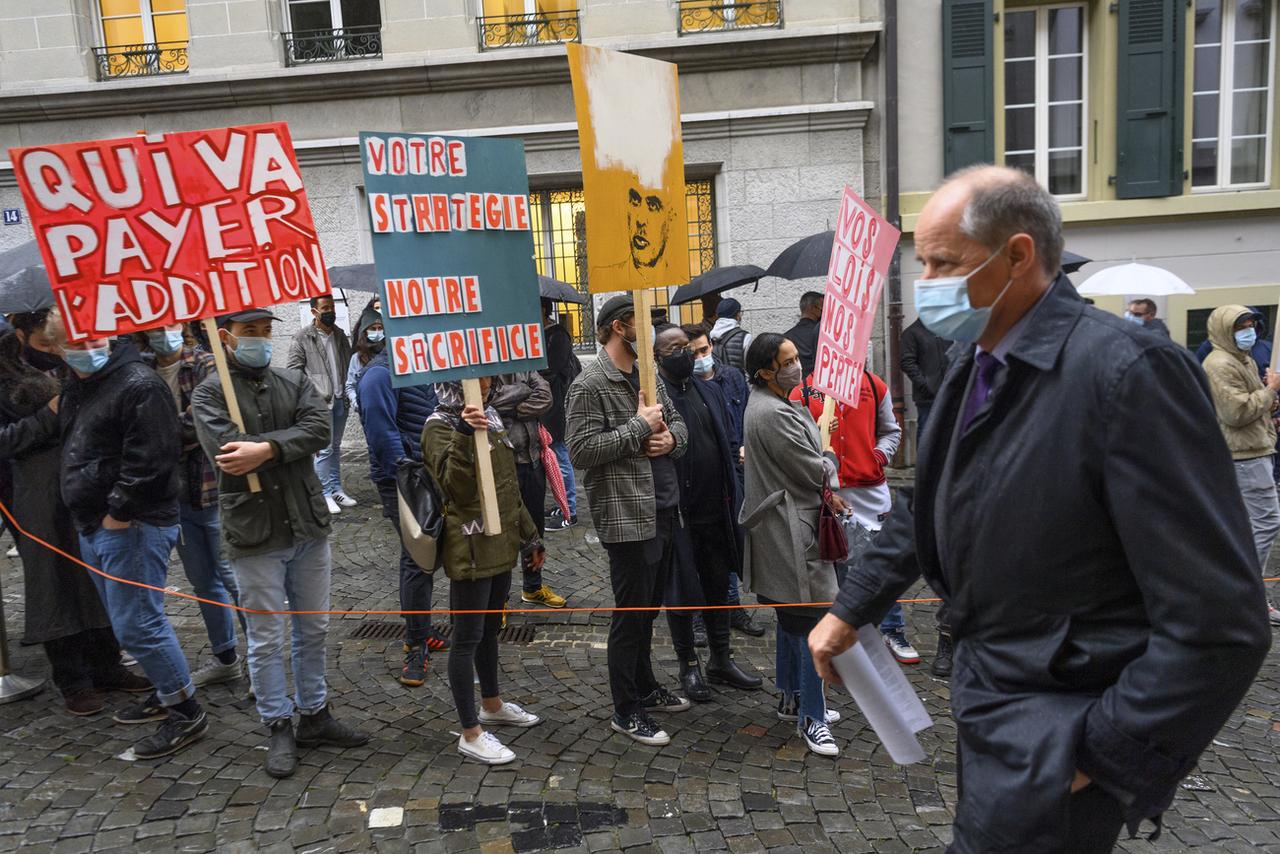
<point>484,467</point>
<point>826,420</point>
<point>643,300</point>
<point>228,390</point>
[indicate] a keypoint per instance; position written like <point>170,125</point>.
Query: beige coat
<point>1243,403</point>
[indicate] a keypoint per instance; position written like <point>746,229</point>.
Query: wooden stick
<point>643,300</point>
<point>228,390</point>
<point>484,466</point>
<point>826,420</point>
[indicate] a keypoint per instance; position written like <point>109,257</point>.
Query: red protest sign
<point>159,229</point>
<point>860,257</point>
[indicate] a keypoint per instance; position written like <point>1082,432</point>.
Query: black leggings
<point>474,647</point>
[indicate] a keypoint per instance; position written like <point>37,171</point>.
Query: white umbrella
<point>1134,280</point>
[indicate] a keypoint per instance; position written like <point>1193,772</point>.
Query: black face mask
<point>40,360</point>
<point>678,365</point>
<point>328,317</point>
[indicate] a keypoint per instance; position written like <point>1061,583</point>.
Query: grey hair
<point>1005,202</point>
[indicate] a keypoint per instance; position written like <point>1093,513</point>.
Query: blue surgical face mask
<point>1246,338</point>
<point>1134,318</point>
<point>944,307</point>
<point>704,365</point>
<point>253,352</point>
<point>86,361</point>
<point>165,343</point>
<point>375,336</point>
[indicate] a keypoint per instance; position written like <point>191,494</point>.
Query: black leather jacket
<point>120,446</point>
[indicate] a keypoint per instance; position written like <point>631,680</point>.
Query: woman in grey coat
<point>785,471</point>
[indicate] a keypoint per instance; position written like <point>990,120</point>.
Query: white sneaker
<point>332,505</point>
<point>13,552</point>
<point>509,715</point>
<point>1274,615</point>
<point>486,749</point>
<point>901,648</point>
<point>344,500</point>
<point>819,739</point>
<point>215,672</point>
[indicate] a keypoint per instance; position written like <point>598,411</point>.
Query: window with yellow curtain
<point>707,15</point>
<point>530,22</point>
<point>130,26</point>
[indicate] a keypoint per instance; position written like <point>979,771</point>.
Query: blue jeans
<point>210,577</point>
<point>329,460</point>
<point>141,553</point>
<point>795,674</point>
<point>892,621</point>
<point>566,471</point>
<point>300,574</point>
<point>734,597</point>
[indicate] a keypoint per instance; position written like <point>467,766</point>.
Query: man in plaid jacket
<point>626,446</point>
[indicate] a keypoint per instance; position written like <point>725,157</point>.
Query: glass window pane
<point>1019,34</point>
<point>111,8</point>
<point>1025,162</point>
<point>1019,82</point>
<point>1251,63</point>
<point>1208,21</point>
<point>1253,19</point>
<point>1019,129</point>
<point>311,15</point>
<point>1065,172</point>
<point>1204,117</point>
<point>1248,113</point>
<point>361,13</point>
<point>1066,30</point>
<point>1208,68</point>
<point>120,31</point>
<point>1064,126</point>
<point>1248,159</point>
<point>1204,164</point>
<point>168,5</point>
<point>1064,79</point>
<point>170,28</point>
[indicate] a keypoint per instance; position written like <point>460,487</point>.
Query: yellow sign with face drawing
<point>632,169</point>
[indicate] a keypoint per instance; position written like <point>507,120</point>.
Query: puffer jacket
<point>120,445</point>
<point>1244,405</point>
<point>392,418</point>
<point>449,454</point>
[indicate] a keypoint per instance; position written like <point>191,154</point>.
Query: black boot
<point>723,670</point>
<point>692,683</point>
<point>322,728</point>
<point>741,620</point>
<point>941,666</point>
<point>282,751</point>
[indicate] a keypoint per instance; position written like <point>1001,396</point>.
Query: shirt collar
<point>1010,339</point>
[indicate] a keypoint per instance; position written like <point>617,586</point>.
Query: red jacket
<point>854,439</point>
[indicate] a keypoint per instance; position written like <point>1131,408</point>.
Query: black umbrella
<point>26,290</point>
<point>716,280</point>
<point>558,291</point>
<point>354,277</point>
<point>20,257</point>
<point>1071,262</point>
<point>804,259</point>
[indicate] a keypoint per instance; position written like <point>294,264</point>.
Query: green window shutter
<point>968,89</point>
<point>1149,91</point>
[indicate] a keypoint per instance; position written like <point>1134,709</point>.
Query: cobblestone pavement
<point>734,778</point>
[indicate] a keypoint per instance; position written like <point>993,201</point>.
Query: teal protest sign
<point>454,254</point>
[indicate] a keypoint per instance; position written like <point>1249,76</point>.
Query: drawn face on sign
<point>648,226</point>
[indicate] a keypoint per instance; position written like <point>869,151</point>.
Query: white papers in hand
<point>884,695</point>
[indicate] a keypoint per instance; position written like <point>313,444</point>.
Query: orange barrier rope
<point>13,524</point>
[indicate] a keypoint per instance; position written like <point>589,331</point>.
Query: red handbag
<point>833,545</point>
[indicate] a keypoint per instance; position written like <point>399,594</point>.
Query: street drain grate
<point>392,630</point>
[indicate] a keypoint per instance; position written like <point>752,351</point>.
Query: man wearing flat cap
<point>278,537</point>
<point>626,445</point>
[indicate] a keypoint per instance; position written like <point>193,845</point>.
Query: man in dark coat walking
<point>924,361</point>
<point>1093,661</point>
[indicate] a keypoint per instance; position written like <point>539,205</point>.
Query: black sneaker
<point>147,712</point>
<point>174,734</point>
<point>436,641</point>
<point>414,672</point>
<point>941,666</point>
<point>789,707</point>
<point>556,521</point>
<point>741,620</point>
<point>640,727</point>
<point>662,700</point>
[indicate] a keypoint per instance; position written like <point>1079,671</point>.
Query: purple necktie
<point>987,366</point>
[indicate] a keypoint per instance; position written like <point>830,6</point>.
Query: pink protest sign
<point>860,257</point>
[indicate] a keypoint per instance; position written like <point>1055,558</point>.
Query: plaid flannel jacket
<point>606,437</point>
<point>199,478</point>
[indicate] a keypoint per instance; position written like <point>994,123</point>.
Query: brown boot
<point>85,703</point>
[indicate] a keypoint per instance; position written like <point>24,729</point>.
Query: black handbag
<point>421,514</point>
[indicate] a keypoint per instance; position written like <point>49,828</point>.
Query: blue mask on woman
<point>1246,338</point>
<point>944,307</point>
<point>375,336</point>
<point>86,361</point>
<point>164,342</point>
<point>253,352</point>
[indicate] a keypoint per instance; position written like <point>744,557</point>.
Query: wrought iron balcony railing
<point>701,16</point>
<point>141,60</point>
<point>500,31</point>
<point>305,46</point>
